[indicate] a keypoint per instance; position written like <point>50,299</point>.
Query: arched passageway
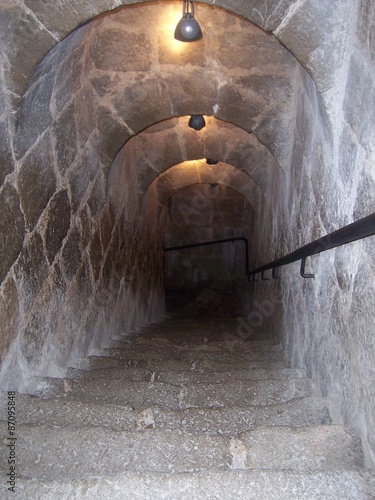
<point>94,115</point>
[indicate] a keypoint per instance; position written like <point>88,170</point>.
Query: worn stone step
<point>50,387</point>
<point>99,362</point>
<point>238,393</point>
<point>234,420</point>
<point>45,452</point>
<point>223,485</point>
<point>163,344</point>
<point>64,412</point>
<point>186,377</point>
<point>299,449</point>
<point>268,355</point>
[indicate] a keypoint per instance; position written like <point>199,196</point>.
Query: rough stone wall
<point>67,227</point>
<point>327,324</point>
<point>63,269</point>
<point>75,269</point>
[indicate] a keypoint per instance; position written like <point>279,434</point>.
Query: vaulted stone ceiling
<point>99,96</point>
<point>94,104</point>
<point>122,72</point>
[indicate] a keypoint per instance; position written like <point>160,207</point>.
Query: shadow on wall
<point>215,274</point>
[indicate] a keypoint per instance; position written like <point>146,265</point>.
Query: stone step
<point>223,485</point>
<point>163,344</point>
<point>45,452</point>
<point>50,387</point>
<point>234,420</point>
<point>257,355</point>
<point>304,448</point>
<point>64,412</point>
<point>239,393</point>
<point>175,365</point>
<point>180,331</point>
<point>186,377</point>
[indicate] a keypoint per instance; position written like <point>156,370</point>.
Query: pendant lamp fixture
<point>188,29</point>
<point>197,122</point>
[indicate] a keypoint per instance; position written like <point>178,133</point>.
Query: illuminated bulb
<point>188,29</point>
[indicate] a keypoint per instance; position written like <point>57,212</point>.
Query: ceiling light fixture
<point>188,29</point>
<point>197,122</point>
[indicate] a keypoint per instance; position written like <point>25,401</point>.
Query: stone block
<point>31,270</point>
<point>58,280</point>
<point>33,337</point>
<point>365,28</point>
<point>95,254</point>
<point>58,223</point>
<point>84,171</point>
<point>304,448</point>
<point>71,254</point>
<point>315,34</point>
<point>84,285</point>
<point>107,273</point>
<point>274,133</point>
<point>12,228</point>
<point>359,103</point>
<point>17,24</point>
<point>106,226</point>
<point>62,18</point>
<point>258,49</point>
<point>237,107</point>
<point>166,151</point>
<point>85,113</point>
<point>364,204</point>
<point>85,223</point>
<point>97,196</point>
<point>192,90</point>
<point>165,189</point>
<point>6,159</point>
<point>69,71</point>
<point>183,175</point>
<point>190,53</point>
<point>267,14</point>
<point>9,316</point>
<point>64,136</point>
<point>118,50</point>
<point>113,133</point>
<point>105,83</point>
<point>143,104</point>
<point>36,181</point>
<point>34,114</point>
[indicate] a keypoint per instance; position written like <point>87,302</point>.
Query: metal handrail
<point>215,242</point>
<point>357,230</point>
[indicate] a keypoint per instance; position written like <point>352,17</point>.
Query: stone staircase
<point>183,410</point>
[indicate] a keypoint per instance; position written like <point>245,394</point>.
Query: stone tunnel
<point>100,172</point>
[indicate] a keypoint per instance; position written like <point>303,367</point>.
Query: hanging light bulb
<point>188,29</point>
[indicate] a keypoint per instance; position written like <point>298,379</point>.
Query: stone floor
<point>184,409</point>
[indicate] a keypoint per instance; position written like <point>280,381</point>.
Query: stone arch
<point>218,140</point>
<point>122,100</point>
<point>48,24</point>
<point>188,173</point>
<point>71,124</point>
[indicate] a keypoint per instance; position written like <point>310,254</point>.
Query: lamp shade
<point>188,29</point>
<point>197,122</point>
